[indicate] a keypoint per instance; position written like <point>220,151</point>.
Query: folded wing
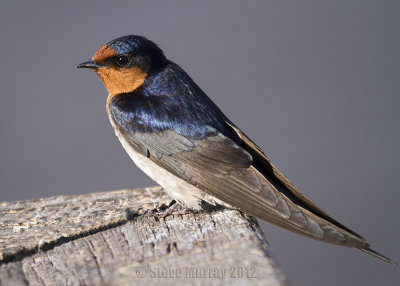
<point>242,176</point>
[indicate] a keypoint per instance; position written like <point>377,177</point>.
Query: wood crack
<point>24,253</point>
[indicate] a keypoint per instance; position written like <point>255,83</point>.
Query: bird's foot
<point>174,209</point>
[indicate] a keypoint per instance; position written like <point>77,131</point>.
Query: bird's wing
<point>281,182</point>
<point>273,175</point>
<point>227,171</point>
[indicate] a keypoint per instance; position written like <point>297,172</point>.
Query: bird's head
<point>124,63</point>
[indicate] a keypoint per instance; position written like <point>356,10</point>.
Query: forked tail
<point>378,255</point>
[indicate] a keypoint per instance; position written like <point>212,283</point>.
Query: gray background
<point>315,85</point>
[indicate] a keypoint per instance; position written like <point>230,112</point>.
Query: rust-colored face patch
<point>103,53</point>
<point>119,81</point>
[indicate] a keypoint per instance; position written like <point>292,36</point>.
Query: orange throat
<point>119,81</point>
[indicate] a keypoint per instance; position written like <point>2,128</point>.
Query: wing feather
<point>227,171</point>
<point>284,184</point>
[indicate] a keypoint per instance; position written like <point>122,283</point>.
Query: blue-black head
<point>126,52</point>
<point>124,63</point>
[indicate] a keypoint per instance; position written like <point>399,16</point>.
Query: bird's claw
<point>174,209</point>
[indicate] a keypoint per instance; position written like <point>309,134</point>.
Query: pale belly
<point>183,192</point>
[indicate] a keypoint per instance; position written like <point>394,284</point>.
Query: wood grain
<point>116,238</point>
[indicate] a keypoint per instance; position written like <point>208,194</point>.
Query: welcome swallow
<point>174,132</point>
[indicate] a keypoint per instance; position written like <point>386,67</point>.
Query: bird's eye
<point>122,61</point>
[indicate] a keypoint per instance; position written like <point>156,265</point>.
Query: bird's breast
<point>183,192</point>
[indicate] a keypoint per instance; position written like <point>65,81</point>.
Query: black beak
<point>89,65</point>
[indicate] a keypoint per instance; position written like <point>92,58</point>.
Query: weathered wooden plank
<point>120,243</point>
<point>28,226</point>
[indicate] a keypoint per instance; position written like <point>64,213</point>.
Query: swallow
<point>174,132</point>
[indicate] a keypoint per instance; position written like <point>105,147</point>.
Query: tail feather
<point>378,255</point>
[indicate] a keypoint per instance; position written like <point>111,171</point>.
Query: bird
<point>180,138</point>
